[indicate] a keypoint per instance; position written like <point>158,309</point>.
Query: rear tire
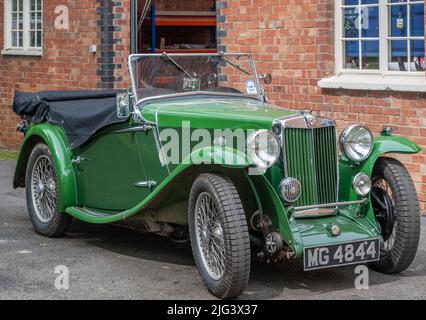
<point>43,195</point>
<point>396,208</point>
<point>219,235</point>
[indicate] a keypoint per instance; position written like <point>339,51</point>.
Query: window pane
<point>20,39</point>
<point>369,1</point>
<point>14,39</point>
<point>351,55</point>
<point>33,5</point>
<point>351,29</point>
<point>39,22</point>
<point>417,20</point>
<point>14,21</point>
<point>370,55</point>
<point>350,2</point>
<point>39,39</point>
<point>398,55</point>
<point>370,22</point>
<point>33,21</point>
<point>418,55</point>
<point>398,21</point>
<point>32,39</point>
<point>14,5</point>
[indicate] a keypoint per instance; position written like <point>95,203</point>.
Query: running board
<point>93,215</point>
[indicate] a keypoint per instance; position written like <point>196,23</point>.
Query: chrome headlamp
<point>263,148</point>
<point>356,142</point>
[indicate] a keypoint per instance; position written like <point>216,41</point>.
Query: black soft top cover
<point>80,113</point>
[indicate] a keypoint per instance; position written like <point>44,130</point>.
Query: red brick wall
<point>66,62</point>
<point>294,41</point>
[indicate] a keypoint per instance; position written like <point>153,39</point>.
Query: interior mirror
<point>123,105</point>
<point>267,78</point>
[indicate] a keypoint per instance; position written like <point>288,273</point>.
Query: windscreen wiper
<point>235,65</point>
<point>177,65</point>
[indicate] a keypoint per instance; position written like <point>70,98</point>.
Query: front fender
<point>55,139</point>
<point>389,144</point>
<point>218,155</point>
<point>382,145</point>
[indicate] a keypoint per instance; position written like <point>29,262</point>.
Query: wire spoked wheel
<point>210,236</point>
<point>219,235</point>
<point>396,209</point>
<point>43,194</point>
<point>43,189</point>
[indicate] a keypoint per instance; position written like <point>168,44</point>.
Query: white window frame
<point>381,79</point>
<point>25,49</point>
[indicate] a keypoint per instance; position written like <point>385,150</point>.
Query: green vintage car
<point>195,152</point>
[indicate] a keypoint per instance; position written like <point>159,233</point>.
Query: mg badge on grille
<point>311,120</point>
<point>290,189</point>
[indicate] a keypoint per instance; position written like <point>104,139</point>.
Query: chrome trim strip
<point>301,122</point>
<point>331,205</point>
<point>314,213</point>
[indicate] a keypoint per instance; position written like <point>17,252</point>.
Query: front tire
<point>42,194</point>
<point>396,208</point>
<point>219,235</point>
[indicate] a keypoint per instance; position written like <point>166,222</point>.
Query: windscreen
<point>164,74</point>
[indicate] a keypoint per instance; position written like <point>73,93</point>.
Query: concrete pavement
<point>110,262</point>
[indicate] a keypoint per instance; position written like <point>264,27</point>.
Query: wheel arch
<point>182,184</point>
<point>61,154</point>
<point>383,146</point>
<point>386,145</point>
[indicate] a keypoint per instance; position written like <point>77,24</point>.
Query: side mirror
<point>123,105</point>
<point>267,78</point>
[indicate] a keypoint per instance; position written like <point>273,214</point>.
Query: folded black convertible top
<point>80,113</point>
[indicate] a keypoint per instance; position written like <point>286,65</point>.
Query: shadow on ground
<point>277,277</point>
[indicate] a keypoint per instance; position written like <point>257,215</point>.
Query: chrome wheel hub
<point>209,236</point>
<point>43,189</point>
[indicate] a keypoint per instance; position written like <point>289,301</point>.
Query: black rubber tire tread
<point>60,222</point>
<point>235,233</point>
<point>408,216</point>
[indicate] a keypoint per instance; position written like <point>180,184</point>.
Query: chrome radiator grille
<point>311,157</point>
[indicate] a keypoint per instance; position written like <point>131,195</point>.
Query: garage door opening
<point>179,26</point>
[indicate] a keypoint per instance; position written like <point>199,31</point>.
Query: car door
<point>150,153</point>
<point>110,174</point>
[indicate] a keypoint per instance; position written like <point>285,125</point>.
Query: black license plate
<point>341,254</point>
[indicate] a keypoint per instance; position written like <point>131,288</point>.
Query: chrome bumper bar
<point>321,209</point>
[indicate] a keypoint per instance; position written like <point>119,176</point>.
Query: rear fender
<point>61,153</point>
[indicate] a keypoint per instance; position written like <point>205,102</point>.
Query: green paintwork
<point>55,139</point>
<point>101,188</point>
<point>208,155</point>
<point>108,172</point>
<point>211,113</point>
